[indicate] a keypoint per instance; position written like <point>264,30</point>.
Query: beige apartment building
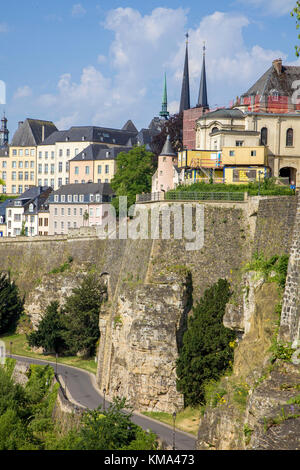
<point>18,169</point>
<point>96,163</point>
<point>55,153</point>
<point>75,205</point>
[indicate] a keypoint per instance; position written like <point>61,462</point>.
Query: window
<point>214,129</point>
<point>52,183</point>
<point>14,152</point>
<point>52,155</point>
<point>46,155</point>
<point>60,153</point>
<point>32,219</point>
<point>20,164</point>
<point>91,197</point>
<point>60,166</point>
<point>289,138</point>
<point>46,168</point>
<point>31,176</point>
<point>239,143</point>
<point>75,225</point>
<point>76,170</point>
<point>253,153</point>
<point>106,181</point>
<point>91,212</point>
<point>69,211</point>
<point>67,181</point>
<point>40,154</point>
<point>98,198</point>
<point>45,182</point>
<point>82,181</point>
<point>264,136</point>
<point>20,188</point>
<point>39,182</point>
<point>4,175</point>
<point>106,169</point>
<point>62,211</point>
<point>30,207</point>
<point>26,176</point>
<point>231,153</point>
<point>14,176</point>
<point>40,222</point>
<point>69,197</point>
<point>14,164</point>
<point>55,211</point>
<point>4,164</point>
<point>99,169</point>
<point>67,166</point>
<point>4,189</point>
<point>98,212</point>
<point>14,189</point>
<point>26,151</point>
<point>20,152</point>
<point>52,169</point>
<point>75,211</point>
<point>81,211</point>
<point>55,224</point>
<point>17,217</point>
<point>69,224</point>
<point>63,198</point>
<point>31,164</point>
<point>87,170</point>
<point>40,168</point>
<point>20,175</point>
<point>26,164</point>
<point>46,222</point>
<point>62,225</point>
<point>68,152</point>
<point>59,182</point>
<point>81,198</point>
<point>32,153</point>
<point>75,198</point>
<point>76,152</point>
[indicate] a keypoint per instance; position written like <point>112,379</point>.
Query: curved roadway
<point>81,386</point>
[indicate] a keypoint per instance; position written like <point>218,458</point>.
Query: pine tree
<point>205,354</point>
<point>11,304</point>
<point>50,332</point>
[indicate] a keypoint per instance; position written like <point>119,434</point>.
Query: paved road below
<point>81,387</point>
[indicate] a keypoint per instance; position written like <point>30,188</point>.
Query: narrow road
<point>82,389</point>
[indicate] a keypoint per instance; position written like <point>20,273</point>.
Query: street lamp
<point>174,419</point>
<point>104,391</point>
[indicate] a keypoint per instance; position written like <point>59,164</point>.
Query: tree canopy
<point>133,175</point>
<point>11,304</point>
<point>172,127</point>
<point>50,332</point>
<point>206,352</point>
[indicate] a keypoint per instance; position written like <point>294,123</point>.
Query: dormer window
<point>56,198</point>
<point>30,207</point>
<point>91,198</point>
<point>83,138</point>
<point>214,129</point>
<point>67,139</point>
<point>63,198</point>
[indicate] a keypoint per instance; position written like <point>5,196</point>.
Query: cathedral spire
<point>185,90</point>
<point>202,98</point>
<point>4,132</point>
<point>164,107</point>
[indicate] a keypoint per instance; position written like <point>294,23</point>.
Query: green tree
<point>133,175</point>
<point>205,354</point>
<point>11,304</point>
<point>81,315</point>
<point>296,13</point>
<point>110,429</point>
<point>50,332</point>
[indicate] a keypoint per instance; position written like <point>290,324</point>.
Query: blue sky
<point>100,63</point>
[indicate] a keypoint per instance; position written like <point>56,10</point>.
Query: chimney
<point>43,133</point>
<point>277,64</point>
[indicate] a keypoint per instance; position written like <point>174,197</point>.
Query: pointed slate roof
<point>129,126</point>
<point>185,90</point>
<point>30,132</point>
<point>202,98</point>
<point>167,150</point>
<point>164,106</point>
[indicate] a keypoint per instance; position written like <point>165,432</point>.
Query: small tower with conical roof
<point>163,180</point>
<point>202,97</point>
<point>185,90</point>
<point>164,106</point>
<point>4,132</point>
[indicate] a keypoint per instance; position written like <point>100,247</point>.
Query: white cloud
<point>143,48</point>
<point>4,28</point>
<point>275,7</point>
<point>23,92</point>
<point>78,10</point>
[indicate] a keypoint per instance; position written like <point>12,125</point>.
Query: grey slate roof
<point>129,126</point>
<point>185,89</point>
<point>3,207</point>
<point>223,114</point>
<point>83,188</point>
<point>167,148</point>
<point>100,152</point>
<point>4,151</point>
<point>30,132</point>
<point>103,135</point>
<point>270,80</point>
<point>39,202</point>
<point>30,195</point>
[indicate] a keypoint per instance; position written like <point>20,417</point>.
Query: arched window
<point>214,129</point>
<point>289,138</point>
<point>264,136</point>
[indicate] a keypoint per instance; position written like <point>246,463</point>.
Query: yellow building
<point>244,156</point>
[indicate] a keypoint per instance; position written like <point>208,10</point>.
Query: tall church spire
<point>202,98</point>
<point>185,90</point>
<point>164,106</point>
<point>4,132</point>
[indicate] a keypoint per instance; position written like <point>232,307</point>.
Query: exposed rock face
<point>52,287</point>
<point>148,323</point>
